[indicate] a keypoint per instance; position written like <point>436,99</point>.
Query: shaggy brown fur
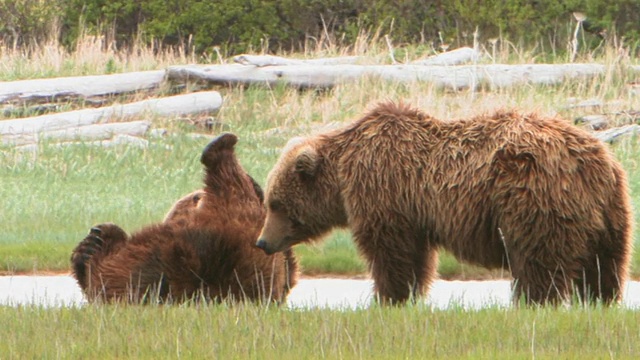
<point>536,196</point>
<point>203,249</point>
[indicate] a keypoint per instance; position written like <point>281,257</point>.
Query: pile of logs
<point>112,124</point>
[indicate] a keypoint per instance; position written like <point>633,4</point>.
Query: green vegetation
<point>236,26</point>
<point>53,196</point>
<point>258,332</point>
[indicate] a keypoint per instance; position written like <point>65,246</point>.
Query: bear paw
<point>101,240</point>
<point>211,153</point>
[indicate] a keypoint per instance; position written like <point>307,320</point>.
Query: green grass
<point>52,198</point>
<point>258,332</point>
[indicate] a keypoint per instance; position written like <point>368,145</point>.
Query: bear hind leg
<point>537,284</point>
<point>602,280</point>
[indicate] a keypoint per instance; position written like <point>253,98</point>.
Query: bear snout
<point>262,244</point>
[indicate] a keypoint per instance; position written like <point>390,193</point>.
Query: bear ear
<point>293,143</point>
<point>307,162</point>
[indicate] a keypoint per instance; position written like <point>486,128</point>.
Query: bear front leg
<point>102,240</point>
<point>402,266</point>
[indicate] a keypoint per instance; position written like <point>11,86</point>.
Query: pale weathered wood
<point>454,57</point>
<point>589,103</point>
<point>270,60</point>
<point>325,76</point>
<point>594,122</point>
<point>198,102</point>
<point>611,135</point>
<point>83,133</point>
<point>100,131</point>
<point>80,86</point>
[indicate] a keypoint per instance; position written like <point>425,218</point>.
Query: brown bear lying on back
<point>203,249</point>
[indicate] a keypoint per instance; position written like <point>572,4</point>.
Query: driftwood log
<point>454,57</point>
<point>611,135</point>
<point>270,60</point>
<point>82,133</point>
<point>18,131</point>
<point>594,122</point>
<point>326,76</point>
<point>46,90</point>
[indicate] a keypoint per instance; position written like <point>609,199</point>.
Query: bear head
<point>302,197</point>
<point>183,211</point>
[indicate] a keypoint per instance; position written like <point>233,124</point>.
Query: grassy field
<point>258,332</point>
<point>52,197</point>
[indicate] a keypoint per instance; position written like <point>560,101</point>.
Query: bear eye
<point>295,222</point>
<point>275,205</point>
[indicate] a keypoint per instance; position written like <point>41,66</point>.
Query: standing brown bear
<point>203,249</point>
<point>536,196</point>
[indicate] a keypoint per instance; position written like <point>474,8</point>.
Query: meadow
<point>53,196</point>
<point>260,332</point>
<point>50,198</point>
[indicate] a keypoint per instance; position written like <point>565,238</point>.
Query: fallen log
<point>589,103</point>
<point>611,135</point>
<point>326,76</point>
<point>45,90</point>
<point>594,122</point>
<point>198,102</point>
<point>454,57</point>
<point>270,60</point>
<point>83,133</point>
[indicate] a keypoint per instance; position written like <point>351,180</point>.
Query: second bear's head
<point>302,196</point>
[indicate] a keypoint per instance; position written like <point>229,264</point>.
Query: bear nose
<point>262,244</point>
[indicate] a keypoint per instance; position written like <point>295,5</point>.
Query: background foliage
<point>234,26</point>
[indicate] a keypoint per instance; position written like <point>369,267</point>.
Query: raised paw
<point>211,153</point>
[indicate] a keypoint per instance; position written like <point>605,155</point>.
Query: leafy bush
<point>21,20</point>
<point>244,25</point>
